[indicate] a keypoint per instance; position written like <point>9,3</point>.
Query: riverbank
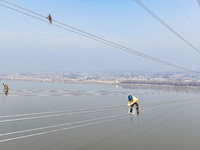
<point>108,79</point>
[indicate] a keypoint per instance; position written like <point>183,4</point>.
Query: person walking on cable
<point>5,89</point>
<point>132,100</point>
<point>49,18</point>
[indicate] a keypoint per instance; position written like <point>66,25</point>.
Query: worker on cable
<point>132,100</point>
<point>49,18</point>
<point>5,89</point>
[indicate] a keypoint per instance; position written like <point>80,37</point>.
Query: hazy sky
<point>30,45</point>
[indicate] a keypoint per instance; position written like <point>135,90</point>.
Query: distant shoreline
<point>107,82</point>
<point>165,83</point>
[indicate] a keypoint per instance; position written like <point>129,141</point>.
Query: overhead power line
<point>165,24</point>
<point>54,114</point>
<point>181,10</point>
<point>61,114</point>
<point>61,125</point>
<point>64,129</point>
<point>91,36</point>
<point>74,111</point>
<point>198,1</point>
<point>90,123</point>
<point>88,110</point>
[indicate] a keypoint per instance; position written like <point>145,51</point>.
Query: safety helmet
<point>3,83</point>
<point>130,97</point>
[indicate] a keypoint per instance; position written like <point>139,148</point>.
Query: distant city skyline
<point>29,45</point>
<point>116,78</point>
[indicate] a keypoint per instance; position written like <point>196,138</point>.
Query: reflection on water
<point>181,89</point>
<point>46,116</point>
<point>4,95</point>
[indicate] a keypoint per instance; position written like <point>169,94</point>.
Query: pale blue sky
<point>29,45</point>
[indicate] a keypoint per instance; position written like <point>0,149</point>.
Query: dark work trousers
<point>131,109</point>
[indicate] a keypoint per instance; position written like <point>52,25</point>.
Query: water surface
<point>168,120</point>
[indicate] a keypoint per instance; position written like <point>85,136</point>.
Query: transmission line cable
<point>63,129</point>
<point>88,35</point>
<point>181,10</point>
<point>82,125</point>
<point>58,115</point>
<point>75,111</point>
<point>85,111</point>
<point>165,24</point>
<point>170,102</point>
<point>59,125</point>
<point>198,1</point>
<point>60,112</point>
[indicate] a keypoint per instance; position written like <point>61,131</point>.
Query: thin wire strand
<point>98,108</point>
<point>58,112</point>
<point>170,102</point>
<point>78,122</point>
<point>84,125</point>
<point>58,115</point>
<point>75,92</point>
<point>165,24</point>
<point>184,14</point>
<point>63,129</point>
<point>31,118</point>
<point>96,38</point>
<point>170,107</point>
<point>198,1</point>
<point>59,125</point>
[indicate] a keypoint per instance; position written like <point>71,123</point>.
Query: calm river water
<point>94,117</point>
